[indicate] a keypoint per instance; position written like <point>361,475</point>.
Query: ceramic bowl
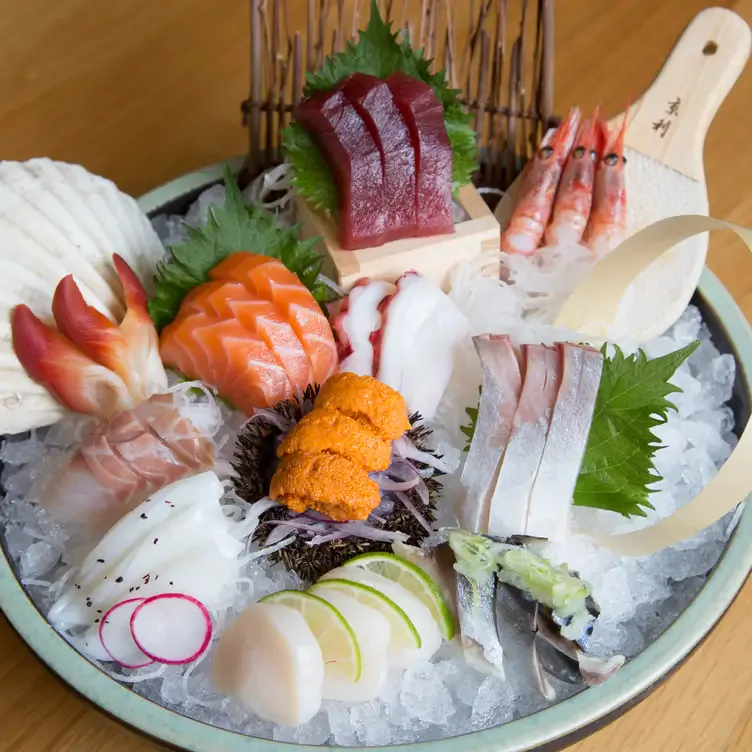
<point>549,729</point>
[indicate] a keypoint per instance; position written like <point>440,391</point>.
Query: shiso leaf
<point>617,470</point>
<point>235,227</point>
<point>378,52</point>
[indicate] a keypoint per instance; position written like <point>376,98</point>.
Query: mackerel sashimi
<point>424,116</point>
<point>254,333</point>
<point>356,163</point>
<point>373,101</point>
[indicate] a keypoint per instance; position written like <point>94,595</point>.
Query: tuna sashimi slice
<point>269,279</point>
<point>523,454</point>
<point>373,101</point>
<point>502,384</point>
<point>550,501</point>
<point>424,116</point>
<point>355,161</point>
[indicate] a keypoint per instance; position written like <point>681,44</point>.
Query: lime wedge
<point>413,579</point>
<point>339,646</point>
<point>404,634</point>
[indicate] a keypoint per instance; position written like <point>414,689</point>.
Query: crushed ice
<point>638,598</point>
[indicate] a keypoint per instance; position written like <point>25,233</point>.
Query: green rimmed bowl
<point>549,729</point>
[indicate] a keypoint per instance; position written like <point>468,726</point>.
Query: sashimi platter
<point>362,510</point>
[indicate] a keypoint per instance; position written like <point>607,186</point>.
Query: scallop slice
<point>416,611</point>
<point>58,219</point>
<point>372,631</point>
<point>269,660</point>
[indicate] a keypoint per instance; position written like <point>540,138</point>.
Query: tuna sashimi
<point>355,161</point>
<point>224,354</point>
<point>548,513</point>
<point>263,319</point>
<point>270,280</point>
<point>373,101</point>
<point>424,116</point>
<point>522,457</point>
<point>502,384</point>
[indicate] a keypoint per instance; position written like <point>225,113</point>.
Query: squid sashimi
<point>90,364</point>
<point>269,279</point>
<point>177,541</point>
<point>125,459</point>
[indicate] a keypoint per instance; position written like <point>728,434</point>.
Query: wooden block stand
<point>434,257</point>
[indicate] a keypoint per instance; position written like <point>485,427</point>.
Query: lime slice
<point>404,634</point>
<point>413,579</point>
<point>339,646</point>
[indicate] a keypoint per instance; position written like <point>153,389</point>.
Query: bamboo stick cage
<point>499,53</point>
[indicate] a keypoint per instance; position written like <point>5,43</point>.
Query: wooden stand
<point>434,257</point>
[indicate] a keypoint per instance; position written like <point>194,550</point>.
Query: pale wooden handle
<point>670,121</point>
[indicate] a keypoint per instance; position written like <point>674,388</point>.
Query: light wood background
<point>143,91</point>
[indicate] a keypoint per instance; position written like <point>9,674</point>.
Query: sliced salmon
<point>262,318</point>
<point>269,279</point>
<point>224,354</point>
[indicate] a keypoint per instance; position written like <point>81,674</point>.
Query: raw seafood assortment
<point>269,504</point>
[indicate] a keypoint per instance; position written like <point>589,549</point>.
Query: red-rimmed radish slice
<point>172,628</point>
<point>116,638</point>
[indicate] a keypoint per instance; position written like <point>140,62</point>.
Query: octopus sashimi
<point>270,280</point>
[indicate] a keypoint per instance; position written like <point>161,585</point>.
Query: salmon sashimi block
<point>269,279</point>
<point>374,102</point>
<point>261,318</point>
<point>424,117</point>
<point>224,354</point>
<point>355,161</point>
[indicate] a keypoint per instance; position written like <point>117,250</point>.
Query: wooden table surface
<point>143,91</point>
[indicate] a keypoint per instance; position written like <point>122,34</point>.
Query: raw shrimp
<point>574,199</point>
<point>607,225</point>
<point>539,182</point>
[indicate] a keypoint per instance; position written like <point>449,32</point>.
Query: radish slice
<point>171,628</point>
<point>116,638</point>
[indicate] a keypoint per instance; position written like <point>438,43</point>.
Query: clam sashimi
<point>56,220</point>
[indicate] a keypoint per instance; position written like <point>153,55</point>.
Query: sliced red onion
<point>259,507</point>
<point>411,508</point>
<point>273,417</point>
<point>407,450</point>
<point>387,484</point>
<point>319,539</point>
<point>283,528</point>
<point>360,529</point>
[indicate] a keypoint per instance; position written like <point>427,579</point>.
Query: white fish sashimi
<point>178,540</point>
<point>508,514</point>
<point>361,320</point>
<point>421,330</point>
<point>372,631</point>
<point>502,383</point>
<point>269,660</point>
<point>57,219</point>
<point>551,498</point>
<point>416,611</point>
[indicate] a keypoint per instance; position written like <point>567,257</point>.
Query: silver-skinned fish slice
<point>550,501</point>
<point>502,383</point>
<point>522,457</point>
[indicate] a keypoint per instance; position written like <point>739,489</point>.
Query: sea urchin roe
<point>327,430</point>
<point>366,398</point>
<point>329,483</point>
